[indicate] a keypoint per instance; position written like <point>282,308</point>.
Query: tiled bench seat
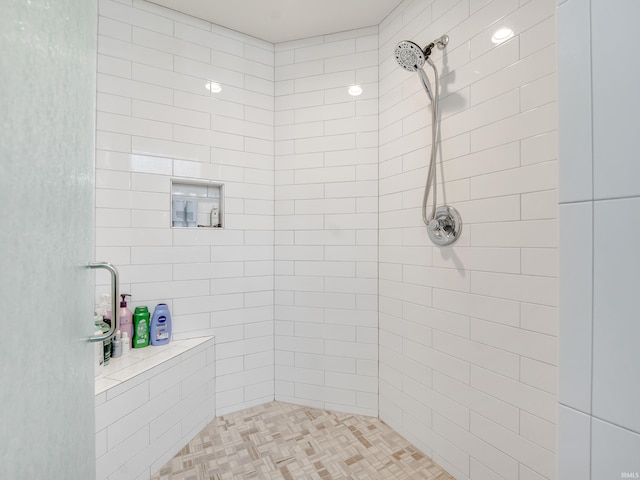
<point>149,404</point>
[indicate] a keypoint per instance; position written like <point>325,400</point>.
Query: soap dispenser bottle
<point>161,325</point>
<point>126,319</point>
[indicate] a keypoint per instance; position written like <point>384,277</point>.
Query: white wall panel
<point>597,378</point>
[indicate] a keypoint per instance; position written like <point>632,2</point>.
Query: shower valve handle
<point>445,227</point>
<point>440,224</point>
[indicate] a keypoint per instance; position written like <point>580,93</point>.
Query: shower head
<point>410,56</point>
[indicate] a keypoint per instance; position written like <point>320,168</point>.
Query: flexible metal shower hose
<point>435,126</point>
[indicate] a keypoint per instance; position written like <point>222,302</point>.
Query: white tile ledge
<point>141,360</point>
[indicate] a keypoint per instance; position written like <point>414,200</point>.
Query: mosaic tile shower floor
<point>290,442</point>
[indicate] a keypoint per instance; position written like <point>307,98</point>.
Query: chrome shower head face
<point>409,56</point>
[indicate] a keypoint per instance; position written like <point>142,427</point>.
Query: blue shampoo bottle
<point>160,325</point>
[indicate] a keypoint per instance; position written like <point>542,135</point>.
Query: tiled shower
<point>323,288</point>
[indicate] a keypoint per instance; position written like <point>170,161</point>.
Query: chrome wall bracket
<point>442,42</point>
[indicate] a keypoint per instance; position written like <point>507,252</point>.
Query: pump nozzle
<point>123,303</point>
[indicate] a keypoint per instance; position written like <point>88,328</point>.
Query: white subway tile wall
<point>326,191</point>
<point>598,292</point>
<point>156,121</point>
<point>468,333</point>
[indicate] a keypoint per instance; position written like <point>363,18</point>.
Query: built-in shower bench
<point>149,404</point>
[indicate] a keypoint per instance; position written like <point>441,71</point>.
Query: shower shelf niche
<point>197,204</point>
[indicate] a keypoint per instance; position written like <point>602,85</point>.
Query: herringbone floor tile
<point>291,442</point>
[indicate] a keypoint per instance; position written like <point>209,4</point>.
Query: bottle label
<point>107,351</point>
<point>161,332</point>
<point>141,334</point>
<point>141,329</point>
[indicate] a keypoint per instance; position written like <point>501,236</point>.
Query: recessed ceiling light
<point>501,35</point>
<point>213,87</point>
<point>355,90</point>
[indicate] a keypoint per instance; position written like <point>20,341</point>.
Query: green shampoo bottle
<point>141,327</point>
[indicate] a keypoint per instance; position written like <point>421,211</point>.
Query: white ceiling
<point>282,20</point>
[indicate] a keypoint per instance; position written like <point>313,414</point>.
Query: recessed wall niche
<point>197,204</point>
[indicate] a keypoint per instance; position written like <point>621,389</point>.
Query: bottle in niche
<point>214,217</point>
<point>161,325</point>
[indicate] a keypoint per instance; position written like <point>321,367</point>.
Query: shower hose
<point>435,131</point>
